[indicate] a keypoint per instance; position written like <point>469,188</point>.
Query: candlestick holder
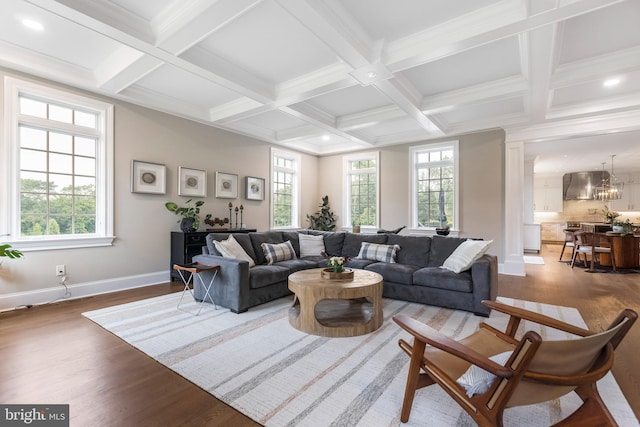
<point>230,218</point>
<point>236,217</point>
<point>241,221</point>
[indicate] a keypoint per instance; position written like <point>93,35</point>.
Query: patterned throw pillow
<point>276,252</point>
<point>230,248</point>
<point>466,254</point>
<point>311,245</point>
<point>376,252</point>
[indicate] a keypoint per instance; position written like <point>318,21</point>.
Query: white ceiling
<point>329,76</point>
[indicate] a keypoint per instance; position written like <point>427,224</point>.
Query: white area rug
<point>260,365</point>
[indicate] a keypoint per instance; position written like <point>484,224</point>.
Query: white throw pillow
<point>311,245</point>
<point>466,254</point>
<point>230,248</point>
<point>476,380</point>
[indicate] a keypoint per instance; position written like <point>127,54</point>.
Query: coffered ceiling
<point>328,76</point>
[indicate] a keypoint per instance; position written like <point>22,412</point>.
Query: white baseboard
<point>81,290</point>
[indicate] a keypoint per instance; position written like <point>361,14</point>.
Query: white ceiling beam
<point>124,68</point>
<point>343,37</point>
<point>369,118</point>
<point>186,23</point>
<point>539,46</point>
<point>595,68</point>
<point>393,90</point>
<point>317,118</point>
<point>108,13</point>
<point>478,94</point>
<point>144,46</point>
<point>501,20</point>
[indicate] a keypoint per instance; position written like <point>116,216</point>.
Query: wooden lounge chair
<point>536,371</point>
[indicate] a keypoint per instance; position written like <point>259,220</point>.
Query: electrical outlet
<point>60,270</point>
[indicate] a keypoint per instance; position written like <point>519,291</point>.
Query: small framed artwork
<point>192,182</point>
<point>226,185</point>
<point>149,178</point>
<point>255,188</point>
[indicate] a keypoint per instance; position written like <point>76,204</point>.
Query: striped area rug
<point>260,365</point>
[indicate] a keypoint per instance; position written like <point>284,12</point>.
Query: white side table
<point>195,269</point>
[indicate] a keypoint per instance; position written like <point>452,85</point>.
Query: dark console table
<point>185,246</point>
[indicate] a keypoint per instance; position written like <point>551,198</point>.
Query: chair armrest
<point>434,338</point>
<point>518,314</point>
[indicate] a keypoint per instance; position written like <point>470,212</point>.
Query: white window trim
<point>414,179</point>
<point>9,224</point>
<point>346,214</point>
<point>296,205</point>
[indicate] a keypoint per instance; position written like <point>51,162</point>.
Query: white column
<point>514,209</point>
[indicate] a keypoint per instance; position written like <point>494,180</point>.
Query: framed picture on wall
<point>192,182</point>
<point>254,188</point>
<point>226,185</point>
<point>149,178</point>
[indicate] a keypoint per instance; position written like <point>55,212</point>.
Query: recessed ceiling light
<point>611,82</point>
<point>372,74</point>
<point>34,25</point>
<point>325,137</point>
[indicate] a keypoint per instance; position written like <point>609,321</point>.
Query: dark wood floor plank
<point>52,354</point>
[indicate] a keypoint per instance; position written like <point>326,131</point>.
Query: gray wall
<point>481,185</point>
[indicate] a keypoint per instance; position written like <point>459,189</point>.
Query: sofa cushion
<point>396,273</point>
<point>258,238</point>
<point>466,254</point>
<point>311,245</point>
<point>276,252</point>
<point>441,248</point>
<point>230,248</point>
<point>415,249</point>
<point>353,242</point>
<point>436,277</point>
<point>376,252</point>
<point>358,263</point>
<point>294,265</point>
<point>332,241</point>
<point>266,275</point>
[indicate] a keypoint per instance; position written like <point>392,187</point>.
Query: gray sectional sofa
<point>416,275</point>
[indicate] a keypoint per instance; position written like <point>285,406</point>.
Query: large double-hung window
<point>361,175</point>
<point>285,189</point>
<point>434,185</point>
<point>58,168</point>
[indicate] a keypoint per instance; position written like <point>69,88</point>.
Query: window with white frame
<point>285,188</point>
<point>58,167</point>
<point>361,189</point>
<point>434,185</point>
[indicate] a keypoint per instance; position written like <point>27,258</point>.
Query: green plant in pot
<point>190,214</point>
<point>323,219</point>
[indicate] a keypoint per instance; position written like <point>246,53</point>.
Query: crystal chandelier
<point>609,189</point>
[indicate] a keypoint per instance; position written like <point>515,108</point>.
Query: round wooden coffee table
<point>336,308</point>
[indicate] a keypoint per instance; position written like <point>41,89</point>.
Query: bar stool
<point>195,269</point>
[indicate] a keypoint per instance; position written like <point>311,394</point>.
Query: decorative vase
<point>355,229</point>
<point>328,273</point>
<point>186,225</point>
<point>442,231</point>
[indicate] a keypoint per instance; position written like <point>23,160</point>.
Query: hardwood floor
<point>52,354</point>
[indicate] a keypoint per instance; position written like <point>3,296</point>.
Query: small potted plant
<point>190,215</point>
<point>355,226</point>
